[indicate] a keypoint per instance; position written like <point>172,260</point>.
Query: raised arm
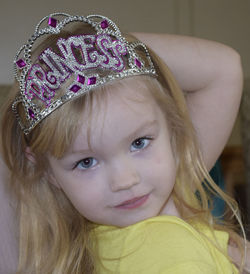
<point>211,74</point>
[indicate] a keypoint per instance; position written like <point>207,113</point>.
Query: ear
<point>30,155</point>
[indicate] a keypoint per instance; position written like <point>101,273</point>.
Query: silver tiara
<point>88,60</point>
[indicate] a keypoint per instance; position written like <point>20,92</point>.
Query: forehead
<point>124,107</point>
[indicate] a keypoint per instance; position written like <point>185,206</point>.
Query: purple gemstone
<point>91,81</point>
<point>52,22</point>
<point>81,79</point>
<point>104,24</point>
<point>75,88</point>
<point>20,63</point>
<point>138,63</point>
<point>31,113</point>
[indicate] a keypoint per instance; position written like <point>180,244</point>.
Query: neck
<point>169,208</point>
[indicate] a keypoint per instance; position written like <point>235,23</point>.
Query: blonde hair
<point>54,237</point>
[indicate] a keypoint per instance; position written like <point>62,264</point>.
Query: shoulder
<point>171,245</point>
<point>173,232</point>
<point>187,248</point>
<point>162,244</point>
<point>175,240</point>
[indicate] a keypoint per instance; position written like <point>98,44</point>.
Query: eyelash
<point>149,139</point>
<point>88,158</point>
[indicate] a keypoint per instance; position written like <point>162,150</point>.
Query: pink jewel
<point>104,24</point>
<point>91,81</point>
<point>75,88</point>
<point>80,79</point>
<point>138,63</point>
<point>52,22</point>
<point>20,63</point>
<point>31,113</point>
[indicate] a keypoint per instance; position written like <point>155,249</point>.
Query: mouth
<point>133,203</point>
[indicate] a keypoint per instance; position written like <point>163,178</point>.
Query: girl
<point>105,162</point>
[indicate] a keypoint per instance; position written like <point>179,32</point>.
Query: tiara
<point>86,61</point>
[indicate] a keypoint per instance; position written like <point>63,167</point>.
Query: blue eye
<point>140,143</point>
<point>86,163</point>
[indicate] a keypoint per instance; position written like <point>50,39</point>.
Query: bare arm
<point>212,76</point>
<point>235,254</point>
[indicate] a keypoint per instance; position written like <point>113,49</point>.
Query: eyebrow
<point>74,152</point>
<point>147,125</point>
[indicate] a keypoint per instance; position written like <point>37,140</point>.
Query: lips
<point>133,203</point>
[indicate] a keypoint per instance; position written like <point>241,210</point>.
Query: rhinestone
<point>138,63</point>
<point>52,22</point>
<point>31,113</point>
<point>39,75</point>
<point>80,79</point>
<point>91,80</point>
<point>20,63</point>
<point>64,97</point>
<point>104,24</point>
<point>75,88</point>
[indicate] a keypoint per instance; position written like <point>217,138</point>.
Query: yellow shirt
<point>163,244</point>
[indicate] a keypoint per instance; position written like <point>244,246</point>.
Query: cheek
<point>85,199</point>
<point>159,171</point>
<point>82,193</point>
<point>164,168</point>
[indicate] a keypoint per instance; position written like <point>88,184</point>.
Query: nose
<point>124,175</point>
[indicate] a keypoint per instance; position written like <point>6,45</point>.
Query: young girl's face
<point>128,172</point>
